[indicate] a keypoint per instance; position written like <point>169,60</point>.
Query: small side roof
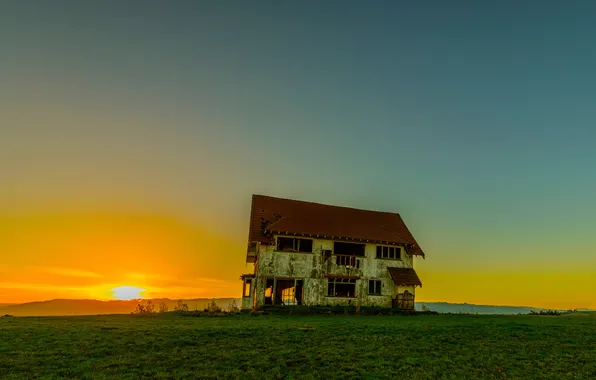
<point>404,276</point>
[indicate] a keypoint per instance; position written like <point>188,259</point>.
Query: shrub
<point>233,308</point>
<point>139,309</point>
<point>163,307</point>
<point>544,312</point>
<point>212,307</point>
<point>149,307</point>
<point>181,306</point>
<point>144,308</point>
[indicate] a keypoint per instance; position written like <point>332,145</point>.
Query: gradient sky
<point>133,133</point>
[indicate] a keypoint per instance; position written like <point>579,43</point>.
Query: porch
<point>404,277</point>
<point>403,301</point>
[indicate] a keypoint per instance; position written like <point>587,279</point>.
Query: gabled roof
<point>271,215</point>
<point>404,276</point>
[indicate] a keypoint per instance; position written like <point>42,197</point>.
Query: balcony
<point>342,265</point>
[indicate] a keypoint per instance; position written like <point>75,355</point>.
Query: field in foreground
<point>174,346</point>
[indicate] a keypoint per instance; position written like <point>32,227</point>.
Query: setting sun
<point>127,292</point>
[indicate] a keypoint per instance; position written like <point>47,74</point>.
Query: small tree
<point>233,308</point>
<point>149,307</point>
<point>144,308</point>
<point>181,306</point>
<point>139,309</point>
<point>213,307</point>
<point>163,307</point>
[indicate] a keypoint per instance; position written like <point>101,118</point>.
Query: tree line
<point>148,307</point>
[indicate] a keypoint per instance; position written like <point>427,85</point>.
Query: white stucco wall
<point>311,268</point>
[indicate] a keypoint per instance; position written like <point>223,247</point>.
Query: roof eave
<point>330,237</point>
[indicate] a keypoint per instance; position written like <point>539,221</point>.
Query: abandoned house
<point>312,254</point>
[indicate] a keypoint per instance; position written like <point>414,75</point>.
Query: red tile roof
<point>404,276</point>
<point>278,215</point>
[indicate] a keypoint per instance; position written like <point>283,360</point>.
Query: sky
<point>134,133</point>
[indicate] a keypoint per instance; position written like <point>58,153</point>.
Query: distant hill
<point>445,307</point>
<point>587,311</point>
<point>93,307</point>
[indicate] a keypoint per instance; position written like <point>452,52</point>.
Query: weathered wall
<point>312,268</point>
<point>247,302</point>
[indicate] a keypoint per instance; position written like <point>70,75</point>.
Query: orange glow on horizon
<point>125,293</point>
<point>89,255</point>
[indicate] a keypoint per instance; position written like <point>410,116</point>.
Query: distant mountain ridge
<point>446,307</point>
<point>60,307</point>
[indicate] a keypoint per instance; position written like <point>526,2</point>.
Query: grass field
<point>331,347</point>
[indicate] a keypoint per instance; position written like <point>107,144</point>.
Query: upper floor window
<point>384,252</point>
<point>288,244</point>
<point>341,248</point>
<point>348,261</point>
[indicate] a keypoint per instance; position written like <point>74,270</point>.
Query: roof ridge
<point>326,204</point>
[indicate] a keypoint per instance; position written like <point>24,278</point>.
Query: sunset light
<point>194,189</point>
<point>127,292</point>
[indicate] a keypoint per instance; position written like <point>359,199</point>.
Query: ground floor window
<point>341,287</point>
<point>246,292</point>
<point>374,287</point>
<point>287,291</point>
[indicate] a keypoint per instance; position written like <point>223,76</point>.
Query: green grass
<point>331,347</point>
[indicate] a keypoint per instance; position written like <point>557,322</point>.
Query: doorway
<point>285,292</point>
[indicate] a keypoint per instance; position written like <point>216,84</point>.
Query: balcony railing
<point>346,261</point>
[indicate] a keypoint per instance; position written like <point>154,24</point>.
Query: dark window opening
<point>374,287</point>
<point>247,287</point>
<point>269,291</point>
<point>298,292</point>
<point>341,248</point>
<point>288,292</point>
<point>348,261</point>
<point>286,244</point>
<point>384,252</point>
<point>341,287</point>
